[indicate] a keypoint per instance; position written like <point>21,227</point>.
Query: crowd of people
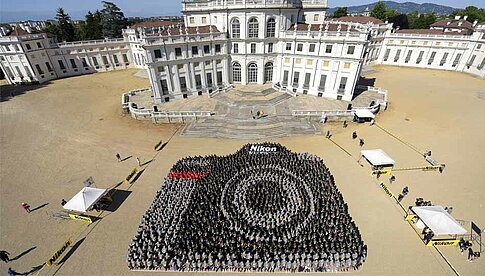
<point>250,211</point>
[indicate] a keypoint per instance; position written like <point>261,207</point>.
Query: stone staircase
<point>250,129</point>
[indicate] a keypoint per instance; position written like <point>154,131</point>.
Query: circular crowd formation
<point>263,208</point>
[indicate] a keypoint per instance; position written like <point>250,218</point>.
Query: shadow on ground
<point>7,91</point>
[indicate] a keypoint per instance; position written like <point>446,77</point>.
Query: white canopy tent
<point>377,157</point>
<point>364,113</point>
<point>85,199</point>
<point>438,220</point>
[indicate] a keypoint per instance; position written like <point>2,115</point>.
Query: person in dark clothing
<point>361,142</point>
<point>354,135</point>
<point>118,156</point>
<point>470,254</point>
<point>63,202</point>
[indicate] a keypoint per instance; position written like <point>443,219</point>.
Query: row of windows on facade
<point>207,63</point>
<point>198,82</point>
<point>195,51</point>
<point>306,83</point>
<point>425,43</point>
<point>432,57</point>
<point>309,62</point>
<point>17,48</point>
<point>311,48</point>
<point>63,66</point>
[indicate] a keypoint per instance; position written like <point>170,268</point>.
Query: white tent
<point>85,199</point>
<point>438,220</point>
<point>377,157</point>
<point>364,113</point>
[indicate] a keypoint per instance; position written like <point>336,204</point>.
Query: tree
<point>472,12</point>
<point>390,14</point>
<point>64,29</point>
<point>113,20</point>
<point>421,21</point>
<point>92,28</point>
<point>400,20</point>
<point>379,11</point>
<point>340,12</point>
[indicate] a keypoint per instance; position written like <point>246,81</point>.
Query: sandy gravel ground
<point>55,136</point>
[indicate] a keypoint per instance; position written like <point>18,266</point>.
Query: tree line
<point>105,23</point>
<point>414,20</point>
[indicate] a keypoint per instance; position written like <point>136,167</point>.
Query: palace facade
<point>289,44</point>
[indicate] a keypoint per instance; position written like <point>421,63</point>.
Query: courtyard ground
<point>55,136</point>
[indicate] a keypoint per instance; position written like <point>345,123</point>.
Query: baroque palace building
<point>289,44</point>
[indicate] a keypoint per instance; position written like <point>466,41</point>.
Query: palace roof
<point>359,19</point>
<point>453,23</point>
<point>429,32</point>
<point>153,24</point>
<point>332,27</point>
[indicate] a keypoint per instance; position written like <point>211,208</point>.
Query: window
<point>479,46</point>
<point>39,70</point>
<point>19,72</point>
<point>115,59</point>
<point>198,81</point>
<point>311,48</point>
<point>253,48</point>
<point>288,46</point>
<point>328,49</point>
<point>39,45</point>
<point>321,86</point>
<point>296,78</point>
<point>219,78</point>
<point>326,63</point>
<point>470,62</point>
<point>27,45</point>
<point>158,53</point>
<point>218,48</point>
<point>236,72</point>
<point>61,64</point>
<point>180,66</point>
<point>350,50</point>
<point>431,58</point>
<point>309,62</point>
<point>413,42</point>
<point>287,60</point>
<point>17,47</point>
<point>253,27</point>
<point>195,51</point>
<point>268,72</point>
<point>215,19</point>
<point>408,57</point>
<point>420,57</point>
<point>183,84</point>
<point>298,61</point>
<point>208,63</point>
<point>48,65</point>
<point>178,52</point>
<point>443,59</point>
<point>316,17</point>
<point>270,47</point>
<point>299,47</point>
<point>95,62</point>
<point>397,56</point>
<point>160,68</point>
<point>204,20</point>
<point>252,73</point>
<point>209,79</point>
<point>346,65</point>
<point>9,72</point>
<point>285,78</point>
<point>125,58</point>
<point>438,43</point>
<point>218,61</point>
<point>386,55</point>
<point>306,84</point>
<point>236,28</point>
<point>27,70</point>
<point>207,49</point>
<point>164,86</point>
<point>481,65</point>
<point>271,28</point>
<point>235,48</point>
<point>343,84</point>
<point>105,60</point>
<point>84,62</point>
<point>192,20</point>
<point>457,59</point>
<point>196,64</point>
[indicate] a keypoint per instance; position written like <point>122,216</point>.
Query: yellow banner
<point>384,187</point>
<point>381,172</point>
<point>157,145</point>
<point>130,176</point>
<point>443,243</point>
<point>79,217</point>
<point>59,252</point>
<point>432,168</point>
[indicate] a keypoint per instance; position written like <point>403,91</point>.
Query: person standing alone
<point>4,256</point>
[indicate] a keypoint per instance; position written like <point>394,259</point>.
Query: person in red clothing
<point>26,207</point>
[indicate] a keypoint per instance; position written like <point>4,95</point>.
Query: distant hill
<point>407,7</point>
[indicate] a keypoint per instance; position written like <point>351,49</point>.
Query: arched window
<point>235,28</point>
<point>271,28</point>
<point>252,73</point>
<point>253,27</point>
<point>268,72</point>
<point>236,72</point>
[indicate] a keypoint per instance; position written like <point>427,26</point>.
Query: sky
<point>14,10</point>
